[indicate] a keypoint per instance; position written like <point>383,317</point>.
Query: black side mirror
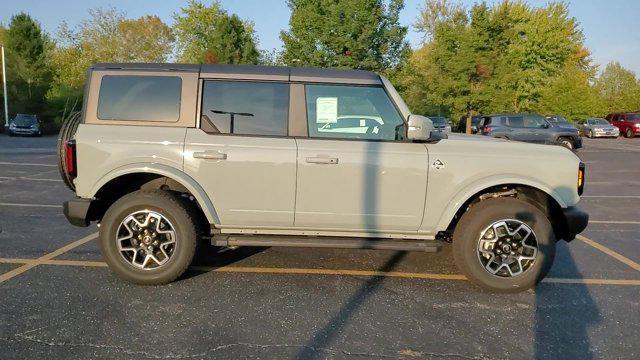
<point>545,126</point>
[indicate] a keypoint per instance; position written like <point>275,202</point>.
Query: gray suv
<point>529,128</point>
<point>164,156</point>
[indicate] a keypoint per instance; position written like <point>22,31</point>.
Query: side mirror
<point>545,125</point>
<point>420,128</point>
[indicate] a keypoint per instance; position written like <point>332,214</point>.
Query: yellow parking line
<point>334,272</point>
<point>625,260</point>
<point>33,263</point>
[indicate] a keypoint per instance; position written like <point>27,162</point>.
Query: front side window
<point>246,108</point>
<point>137,97</point>
<point>352,112</point>
<point>534,121</point>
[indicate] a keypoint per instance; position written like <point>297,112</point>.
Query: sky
<point>609,26</point>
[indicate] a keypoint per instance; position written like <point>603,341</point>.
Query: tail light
<point>70,157</point>
<point>487,130</point>
<point>581,174</point>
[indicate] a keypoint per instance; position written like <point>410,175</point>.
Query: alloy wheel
<point>146,239</point>
<point>507,248</point>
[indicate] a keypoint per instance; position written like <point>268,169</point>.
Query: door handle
<point>209,155</point>
<point>322,160</point>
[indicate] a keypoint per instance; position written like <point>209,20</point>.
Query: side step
<point>327,242</point>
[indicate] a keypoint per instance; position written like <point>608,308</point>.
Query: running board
<point>327,242</point>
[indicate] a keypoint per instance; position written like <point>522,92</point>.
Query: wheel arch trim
<point>471,190</point>
<point>170,172</point>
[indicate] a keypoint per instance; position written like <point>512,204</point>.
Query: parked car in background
<point>461,127</point>
<point>627,122</point>
<point>441,123</point>
<point>560,121</point>
<point>529,128</point>
<point>24,124</point>
<point>597,127</point>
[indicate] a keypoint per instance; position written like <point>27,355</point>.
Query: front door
<point>241,154</point>
<point>355,171</point>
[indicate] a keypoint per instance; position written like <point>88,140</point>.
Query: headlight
<point>637,125</point>
<point>12,126</point>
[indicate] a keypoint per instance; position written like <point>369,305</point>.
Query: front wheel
<point>590,134</point>
<point>629,133</point>
<point>568,143</point>
<point>148,237</point>
<point>504,245</point>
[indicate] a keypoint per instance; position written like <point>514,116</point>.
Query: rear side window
<point>143,98</point>
<point>246,108</point>
<point>515,121</point>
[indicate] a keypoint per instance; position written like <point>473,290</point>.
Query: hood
<point>603,127</point>
<point>470,137</point>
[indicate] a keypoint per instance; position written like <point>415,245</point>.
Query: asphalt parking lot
<point>58,300</point>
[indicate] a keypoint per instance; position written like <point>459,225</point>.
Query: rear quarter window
<point>140,98</point>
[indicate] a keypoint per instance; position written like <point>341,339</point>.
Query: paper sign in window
<point>326,110</point>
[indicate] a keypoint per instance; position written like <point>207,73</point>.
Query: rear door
<point>242,155</point>
<point>352,179</point>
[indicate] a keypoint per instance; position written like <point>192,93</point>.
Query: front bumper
<point>76,211</point>
<point>575,221</point>
<point>604,133</point>
<point>18,131</point>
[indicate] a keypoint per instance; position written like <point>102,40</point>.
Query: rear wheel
<point>149,237</point>
<point>504,245</point>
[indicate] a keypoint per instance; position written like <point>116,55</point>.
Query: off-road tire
<point>171,206</point>
<point>67,132</point>
<point>483,214</point>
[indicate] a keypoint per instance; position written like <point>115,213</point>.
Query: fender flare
<point>470,190</point>
<point>177,175</point>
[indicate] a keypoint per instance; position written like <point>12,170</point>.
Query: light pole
<point>4,90</point>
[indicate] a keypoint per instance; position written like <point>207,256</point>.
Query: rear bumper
<point>576,221</point>
<point>76,211</point>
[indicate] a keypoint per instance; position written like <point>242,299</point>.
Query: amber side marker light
<point>581,169</point>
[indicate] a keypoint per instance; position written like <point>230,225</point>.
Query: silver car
<point>597,127</point>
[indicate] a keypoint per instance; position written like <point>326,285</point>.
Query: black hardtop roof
<point>257,72</point>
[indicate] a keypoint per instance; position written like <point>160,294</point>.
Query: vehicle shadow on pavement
<point>325,336</point>
<point>563,314</point>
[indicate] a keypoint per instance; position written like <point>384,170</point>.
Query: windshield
<point>558,120</point>
<point>437,120</point>
<point>598,122</point>
<point>23,120</point>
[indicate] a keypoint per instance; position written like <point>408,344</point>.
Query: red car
<point>628,123</point>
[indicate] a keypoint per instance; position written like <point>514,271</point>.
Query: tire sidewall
<point>483,214</point>
<point>185,238</point>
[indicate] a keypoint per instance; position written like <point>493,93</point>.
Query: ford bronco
<point>163,156</point>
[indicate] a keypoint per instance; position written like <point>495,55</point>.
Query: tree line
<point>506,57</point>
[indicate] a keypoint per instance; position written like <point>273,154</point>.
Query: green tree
<point>106,36</point>
<point>618,89</point>
<point>207,34</point>
<point>354,34</point>
<point>494,58</point>
<point>28,71</point>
